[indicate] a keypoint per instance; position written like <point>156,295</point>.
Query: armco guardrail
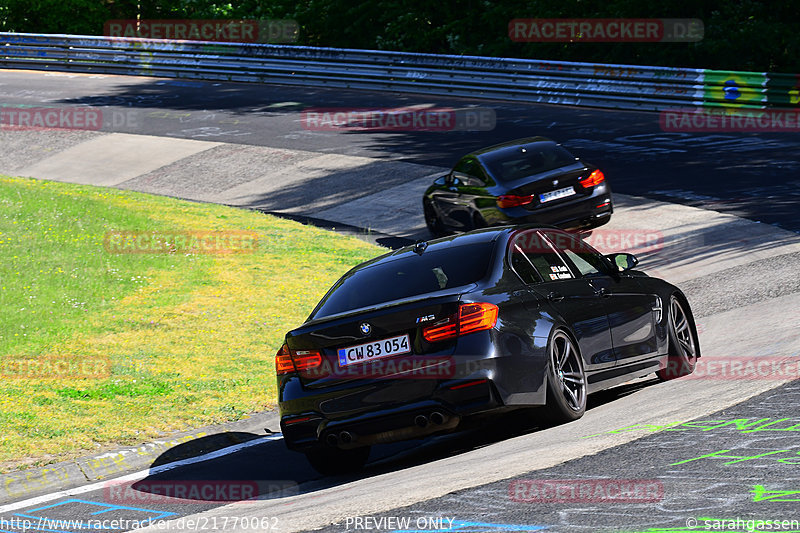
<point>554,82</point>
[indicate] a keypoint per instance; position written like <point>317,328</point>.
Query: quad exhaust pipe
<point>344,439</point>
<point>437,418</point>
<point>333,440</point>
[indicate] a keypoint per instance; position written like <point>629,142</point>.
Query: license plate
<point>370,351</point>
<point>555,195</point>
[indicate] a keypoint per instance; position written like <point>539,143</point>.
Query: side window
<point>535,260</point>
<point>465,166</point>
<point>471,169</point>
<point>523,266</point>
<point>584,258</point>
<point>482,174</point>
<point>584,267</point>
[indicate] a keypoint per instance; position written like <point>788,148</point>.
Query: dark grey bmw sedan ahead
<point>418,341</point>
<point>532,180</point>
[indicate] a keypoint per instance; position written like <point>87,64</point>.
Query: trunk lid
<point>343,341</point>
<point>550,181</point>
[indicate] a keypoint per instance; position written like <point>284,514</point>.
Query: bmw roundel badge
<point>366,329</point>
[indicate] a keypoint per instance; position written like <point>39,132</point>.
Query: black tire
<point>566,380</point>
<point>333,461</point>
<point>432,219</point>
<point>684,347</point>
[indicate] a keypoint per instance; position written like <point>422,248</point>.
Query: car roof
<point>473,237</point>
<point>526,142</point>
<point>484,235</point>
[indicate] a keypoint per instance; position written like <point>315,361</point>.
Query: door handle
<point>555,297</point>
<point>602,292</point>
<point>522,293</point>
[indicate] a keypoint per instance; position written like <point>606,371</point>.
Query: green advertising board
<point>735,89</point>
<point>783,90</point>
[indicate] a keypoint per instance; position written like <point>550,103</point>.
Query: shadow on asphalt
<point>278,472</point>
<point>382,239</point>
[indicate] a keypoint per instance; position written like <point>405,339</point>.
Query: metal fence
<point>521,80</point>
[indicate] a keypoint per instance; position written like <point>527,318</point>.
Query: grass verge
<point>189,338</point>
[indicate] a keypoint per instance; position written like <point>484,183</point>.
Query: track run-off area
<point>718,213</point>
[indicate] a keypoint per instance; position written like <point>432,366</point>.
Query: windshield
<point>410,275</point>
<point>513,164</point>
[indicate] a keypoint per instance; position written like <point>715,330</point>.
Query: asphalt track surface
<point>739,463</point>
<point>751,175</point>
<point>487,479</point>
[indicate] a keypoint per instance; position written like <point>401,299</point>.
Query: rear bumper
<point>584,213</point>
<point>502,369</point>
<point>441,413</point>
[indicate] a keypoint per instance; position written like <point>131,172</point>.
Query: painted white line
<point>138,475</point>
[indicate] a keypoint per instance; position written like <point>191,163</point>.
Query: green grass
<point>189,338</point>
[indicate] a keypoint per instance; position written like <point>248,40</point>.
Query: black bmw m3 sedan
<point>419,340</point>
<point>532,180</point>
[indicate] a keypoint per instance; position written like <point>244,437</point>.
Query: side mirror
<point>623,261</point>
<point>456,179</point>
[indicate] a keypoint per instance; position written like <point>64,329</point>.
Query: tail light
<point>511,200</point>
<point>470,318</point>
<point>283,361</point>
<point>595,178</point>
<point>476,317</point>
<point>287,361</point>
<point>445,329</point>
<point>306,359</point>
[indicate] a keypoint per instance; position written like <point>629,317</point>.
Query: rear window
<point>411,275</point>
<point>511,165</point>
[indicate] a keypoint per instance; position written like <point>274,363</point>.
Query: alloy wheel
<point>568,371</point>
